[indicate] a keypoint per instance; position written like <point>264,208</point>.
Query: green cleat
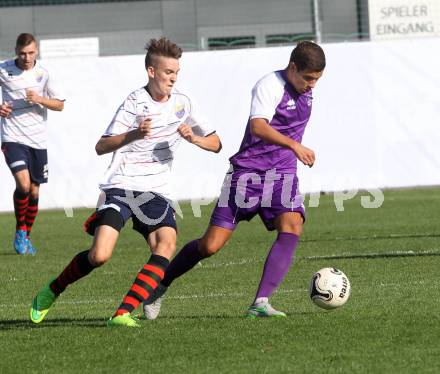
<point>263,309</point>
<point>41,304</point>
<point>124,320</point>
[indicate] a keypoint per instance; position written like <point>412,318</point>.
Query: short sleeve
<point>198,121</point>
<point>124,118</point>
<point>52,89</point>
<point>266,95</point>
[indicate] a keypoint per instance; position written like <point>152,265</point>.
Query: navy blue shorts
<point>148,211</point>
<point>20,157</point>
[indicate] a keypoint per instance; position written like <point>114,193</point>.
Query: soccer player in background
<point>143,136</point>
<point>27,92</point>
<point>280,109</point>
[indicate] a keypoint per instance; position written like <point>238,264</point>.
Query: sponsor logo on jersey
<point>9,73</point>
<point>179,110</point>
<point>291,105</point>
<point>39,75</point>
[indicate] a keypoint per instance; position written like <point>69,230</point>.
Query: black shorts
<point>148,211</point>
<point>20,157</point>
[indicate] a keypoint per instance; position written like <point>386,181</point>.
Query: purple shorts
<point>246,194</point>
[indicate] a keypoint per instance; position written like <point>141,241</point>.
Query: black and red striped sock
<point>145,283</point>
<point>31,213</point>
<point>79,267</point>
<point>21,202</point>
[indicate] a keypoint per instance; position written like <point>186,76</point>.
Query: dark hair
<point>162,47</point>
<point>308,56</point>
<point>24,40</point>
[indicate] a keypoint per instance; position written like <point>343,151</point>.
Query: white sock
<point>261,301</point>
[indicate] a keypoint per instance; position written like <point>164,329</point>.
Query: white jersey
<point>145,165</point>
<point>27,122</point>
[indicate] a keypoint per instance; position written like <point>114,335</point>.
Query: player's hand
<point>33,97</point>
<point>5,110</point>
<point>304,154</point>
<point>186,133</point>
<point>144,128</point>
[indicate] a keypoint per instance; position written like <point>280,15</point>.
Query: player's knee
<point>34,195</point>
<point>34,191</point>
<point>293,228</point>
<point>209,248</point>
<point>297,229</point>
<point>24,188</point>
<point>97,258</point>
<point>98,261</point>
<point>165,248</point>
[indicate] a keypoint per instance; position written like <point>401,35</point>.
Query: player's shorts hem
<point>16,168</point>
<point>223,224</point>
<point>147,230</point>
<point>108,217</point>
<point>270,225</point>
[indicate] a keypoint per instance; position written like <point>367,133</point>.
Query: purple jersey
<point>287,111</point>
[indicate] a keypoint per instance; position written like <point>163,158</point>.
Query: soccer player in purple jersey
<point>263,178</point>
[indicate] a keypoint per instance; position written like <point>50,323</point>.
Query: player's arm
<point>210,142</point>
<point>109,144</point>
<point>52,104</point>
<point>261,129</point>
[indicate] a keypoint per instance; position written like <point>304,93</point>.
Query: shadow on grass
<point>236,317</point>
<point>198,317</point>
<point>373,255</point>
<point>373,237</point>
<point>101,323</point>
<point>50,323</point>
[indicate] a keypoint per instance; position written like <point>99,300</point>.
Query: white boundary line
<point>344,255</point>
<point>347,255</point>
<point>211,295</point>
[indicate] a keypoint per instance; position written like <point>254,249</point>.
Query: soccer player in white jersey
<point>27,92</point>
<point>143,137</point>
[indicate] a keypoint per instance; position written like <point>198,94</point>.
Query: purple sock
<point>277,263</point>
<point>186,259</point>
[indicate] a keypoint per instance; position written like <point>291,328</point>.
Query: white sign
<point>391,19</point>
<point>69,47</point>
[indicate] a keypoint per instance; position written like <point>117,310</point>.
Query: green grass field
<point>391,323</point>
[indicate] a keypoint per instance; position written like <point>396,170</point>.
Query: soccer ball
<point>329,288</point>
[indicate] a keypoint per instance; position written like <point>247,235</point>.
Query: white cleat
<point>151,306</point>
<point>262,308</point>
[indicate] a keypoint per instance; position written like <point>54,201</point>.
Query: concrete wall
<point>374,122</point>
